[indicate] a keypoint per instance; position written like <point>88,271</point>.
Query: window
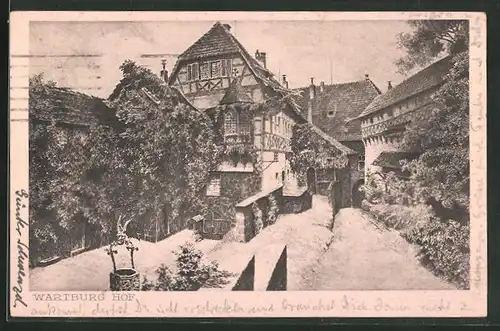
<point>332,112</point>
<point>215,69</point>
<point>390,113</point>
<point>236,127</point>
<point>275,159</point>
<point>207,70</point>
<point>361,165</point>
<point>278,124</point>
<point>371,120</point>
<point>329,160</point>
<point>193,72</point>
<point>230,122</point>
<point>213,188</point>
<point>204,71</point>
<point>226,68</point>
<point>277,175</point>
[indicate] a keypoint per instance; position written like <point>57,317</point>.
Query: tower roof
<point>235,94</point>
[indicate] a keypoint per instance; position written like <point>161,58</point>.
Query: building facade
<point>254,113</point>
<point>384,121</point>
<point>334,110</point>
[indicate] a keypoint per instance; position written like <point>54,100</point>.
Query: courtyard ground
<point>89,271</point>
<point>365,256</point>
<point>352,254</point>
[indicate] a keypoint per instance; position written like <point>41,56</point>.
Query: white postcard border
<point>470,303</point>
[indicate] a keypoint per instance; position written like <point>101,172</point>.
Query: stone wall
<point>247,278</point>
<point>221,209</point>
<point>297,203</point>
<point>244,218</point>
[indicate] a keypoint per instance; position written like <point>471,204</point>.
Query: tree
<point>65,166</point>
<point>310,150</point>
<point>154,159</point>
<point>441,173</point>
<point>429,39</point>
<point>167,149</point>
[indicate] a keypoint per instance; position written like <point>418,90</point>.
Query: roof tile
<point>347,100</point>
<point>392,159</point>
<point>423,80</point>
<point>215,42</point>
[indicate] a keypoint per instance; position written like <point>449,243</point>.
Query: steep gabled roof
<point>430,77</point>
<point>66,106</point>
<point>235,94</point>
<point>347,100</point>
<point>218,41</point>
<point>215,42</point>
<point>332,141</point>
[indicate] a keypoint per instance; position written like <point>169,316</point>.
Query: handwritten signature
<point>22,249</point>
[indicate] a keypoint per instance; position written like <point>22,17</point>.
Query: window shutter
<point>226,68</point>
<point>215,69</point>
<point>204,71</point>
<point>189,76</point>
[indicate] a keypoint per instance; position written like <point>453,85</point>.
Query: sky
<point>86,55</point>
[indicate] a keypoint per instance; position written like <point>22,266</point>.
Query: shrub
<point>399,217</point>
<point>444,248</point>
<point>192,273</point>
<point>273,211</point>
<point>258,218</point>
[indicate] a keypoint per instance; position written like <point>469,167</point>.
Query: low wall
<point>288,202</point>
<point>253,267</point>
<point>298,202</point>
<point>245,218</point>
<point>271,268</point>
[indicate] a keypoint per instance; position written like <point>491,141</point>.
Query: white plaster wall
<point>270,169</point>
<point>373,150</point>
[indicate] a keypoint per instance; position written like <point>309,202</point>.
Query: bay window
<point>236,127</point>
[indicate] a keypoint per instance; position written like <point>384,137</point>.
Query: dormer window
<point>332,112</point>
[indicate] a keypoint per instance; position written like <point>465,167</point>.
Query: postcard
<point>247,164</point>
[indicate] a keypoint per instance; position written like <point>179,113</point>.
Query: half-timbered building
<point>384,120</point>
<point>254,113</point>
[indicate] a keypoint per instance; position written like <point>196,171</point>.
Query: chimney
<point>261,57</point>
<point>367,77</point>
<point>321,87</point>
<point>312,89</point>
<point>285,82</point>
<point>227,26</point>
<point>389,85</point>
<point>164,72</point>
<point>312,94</point>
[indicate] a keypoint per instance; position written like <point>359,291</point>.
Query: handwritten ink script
<point>129,304</point>
<point>22,248</point>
